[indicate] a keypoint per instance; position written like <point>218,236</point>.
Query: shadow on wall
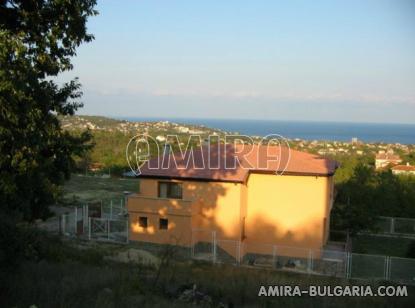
<point>221,207</point>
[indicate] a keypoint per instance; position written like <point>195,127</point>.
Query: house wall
<point>178,212</point>
<point>288,210</point>
<point>279,210</point>
<point>380,163</point>
<point>205,206</point>
<point>402,172</point>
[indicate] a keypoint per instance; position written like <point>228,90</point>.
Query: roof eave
<point>187,178</point>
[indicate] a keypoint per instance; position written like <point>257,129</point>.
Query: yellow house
<point>256,196</point>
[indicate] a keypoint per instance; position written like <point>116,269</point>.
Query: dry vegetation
<point>82,189</point>
<point>77,274</point>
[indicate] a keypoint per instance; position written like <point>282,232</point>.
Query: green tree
<point>37,40</point>
<point>355,207</point>
<point>368,194</point>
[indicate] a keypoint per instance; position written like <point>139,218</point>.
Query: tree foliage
<point>37,40</point>
<point>368,194</point>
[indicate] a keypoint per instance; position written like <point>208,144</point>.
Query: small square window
<point>142,222</point>
<point>164,224</point>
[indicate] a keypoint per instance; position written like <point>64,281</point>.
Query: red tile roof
<point>224,163</point>
<point>404,168</point>
<point>387,156</point>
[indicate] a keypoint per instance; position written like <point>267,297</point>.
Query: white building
<point>384,159</point>
<point>403,169</point>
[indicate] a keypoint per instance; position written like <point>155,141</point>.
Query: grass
<point>382,245</point>
<point>82,278</point>
<point>82,189</point>
<point>47,284</point>
<point>69,284</point>
<point>75,274</point>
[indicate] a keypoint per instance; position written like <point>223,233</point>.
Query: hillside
<point>99,123</point>
<point>111,136</point>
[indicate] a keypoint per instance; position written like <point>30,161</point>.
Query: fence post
<point>128,229</point>
<point>392,225</point>
<point>310,260</point>
<point>387,268</point>
<point>84,217</point>
<point>390,268</point>
<point>243,251</point>
<point>60,225</point>
<point>111,209</point>
<point>192,248</point>
<point>87,213</point>
<point>108,229</point>
<point>89,228</point>
<point>274,255</point>
<point>346,274</point>
<point>76,220</point>
<point>239,253</point>
<point>63,224</point>
<point>214,246</point>
<point>349,265</point>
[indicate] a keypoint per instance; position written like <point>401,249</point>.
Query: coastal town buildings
<point>384,159</point>
<point>403,169</point>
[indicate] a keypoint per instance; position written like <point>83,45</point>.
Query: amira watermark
<point>271,153</point>
<point>332,291</point>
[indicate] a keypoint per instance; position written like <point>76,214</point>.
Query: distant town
<point>400,158</point>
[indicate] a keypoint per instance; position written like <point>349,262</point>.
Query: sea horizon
<point>403,133</point>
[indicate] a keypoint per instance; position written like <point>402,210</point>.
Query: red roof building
<point>234,163</point>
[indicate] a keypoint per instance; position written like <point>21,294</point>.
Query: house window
<point>170,190</point>
<point>163,224</point>
<point>142,222</point>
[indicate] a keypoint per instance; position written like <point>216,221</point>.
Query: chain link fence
<point>113,209</point>
<point>105,220</point>
<point>203,245</point>
<point>206,246</point>
<point>68,224</point>
<point>329,262</point>
<point>103,229</point>
<point>227,251</point>
<point>401,270</point>
<point>335,263</point>
<point>260,255</point>
<point>396,225</point>
<point>367,266</point>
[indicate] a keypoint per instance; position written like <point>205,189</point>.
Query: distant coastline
<point>331,131</point>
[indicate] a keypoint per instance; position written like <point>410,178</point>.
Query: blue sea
<point>339,131</point>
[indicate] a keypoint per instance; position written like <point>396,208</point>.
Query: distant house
<point>250,206</point>
<point>94,167</point>
<point>160,138</point>
<point>385,159</point>
<point>183,129</point>
<point>403,169</point>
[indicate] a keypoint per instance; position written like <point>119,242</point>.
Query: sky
<point>348,61</point>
